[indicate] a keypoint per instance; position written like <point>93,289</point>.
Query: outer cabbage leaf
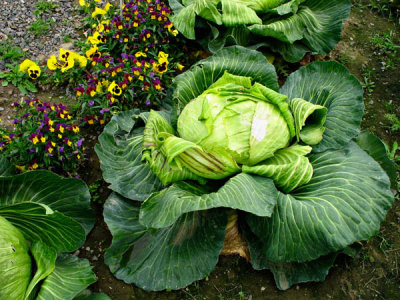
<point>89,295</point>
<point>156,155</point>
<point>253,194</point>
<point>68,196</point>
<point>309,119</point>
<point>376,148</point>
<point>45,259</point>
<point>120,154</point>
<point>6,168</point>
<point>289,168</point>
<point>330,84</point>
<point>37,223</point>
<point>235,13</point>
<point>168,258</point>
<point>71,275</point>
<point>15,262</point>
<point>236,60</point>
<point>288,274</point>
<point>345,201</point>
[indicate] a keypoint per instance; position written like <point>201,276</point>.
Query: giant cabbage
<point>288,27</point>
<point>291,164</point>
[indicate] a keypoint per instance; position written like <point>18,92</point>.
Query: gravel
<point>16,16</point>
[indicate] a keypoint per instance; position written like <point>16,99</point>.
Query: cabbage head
<point>288,27</point>
<point>235,126</point>
<point>288,164</point>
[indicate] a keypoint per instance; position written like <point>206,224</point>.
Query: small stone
<point>87,249</point>
<point>262,289</point>
<point>1,108</point>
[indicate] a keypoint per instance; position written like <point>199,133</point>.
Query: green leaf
<point>89,295</point>
<point>6,168</point>
<point>288,30</point>
<point>309,120</point>
<point>159,163</point>
<point>208,10</point>
<point>45,258</point>
<point>249,193</point>
<point>38,224</point>
<point>168,258</point>
<point>214,164</point>
<point>331,85</point>
<point>236,60</point>
<point>70,276</point>
<point>15,262</point>
<point>288,274</point>
<point>69,196</point>
<point>120,153</point>
<point>376,148</point>
<point>345,201</point>
<point>261,5</point>
<point>289,168</point>
<point>234,13</point>
<point>221,36</point>
<point>184,21</point>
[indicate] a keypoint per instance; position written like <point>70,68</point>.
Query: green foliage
<point>368,82</point>
<point>95,190</point>
<point>40,26</point>
<point>66,38</point>
<point>394,121</point>
<point>388,45</point>
<point>42,215</point>
<point>44,6</point>
<point>44,137</point>
<point>18,79</point>
<point>8,51</point>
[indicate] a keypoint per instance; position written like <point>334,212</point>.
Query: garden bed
<point>372,274</point>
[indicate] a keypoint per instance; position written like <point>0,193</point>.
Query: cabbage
<point>290,165</point>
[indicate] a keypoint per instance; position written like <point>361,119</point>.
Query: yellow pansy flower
<point>53,64</point>
<point>172,29</point>
<point>114,89</point>
<point>107,6</point>
<point>82,60</point>
<point>83,3</point>
<point>65,55</point>
<point>34,72</point>
<point>98,12</point>
<point>139,54</point>
<point>68,64</point>
<point>25,65</point>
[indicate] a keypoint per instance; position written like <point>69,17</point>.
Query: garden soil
<point>372,274</point>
